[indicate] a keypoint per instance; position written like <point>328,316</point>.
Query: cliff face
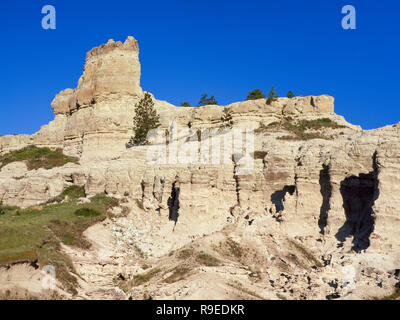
<point>333,188</point>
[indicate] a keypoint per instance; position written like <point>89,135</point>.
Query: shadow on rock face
<point>326,192</point>
<point>359,194</point>
<point>278,196</point>
<point>173,203</point>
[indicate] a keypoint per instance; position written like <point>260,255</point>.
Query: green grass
<point>395,295</point>
<point>40,230</point>
<point>36,158</point>
<point>86,212</point>
<point>145,277</point>
<point>299,130</point>
<point>72,192</point>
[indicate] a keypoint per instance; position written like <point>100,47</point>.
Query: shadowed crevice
<point>326,192</point>
<point>359,194</point>
<point>278,196</point>
<point>173,203</point>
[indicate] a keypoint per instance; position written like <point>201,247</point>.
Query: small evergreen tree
<point>185,104</point>
<point>272,96</point>
<point>255,94</point>
<point>290,94</point>
<point>145,119</point>
<point>204,101</point>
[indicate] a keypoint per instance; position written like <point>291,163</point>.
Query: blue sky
<point>225,48</point>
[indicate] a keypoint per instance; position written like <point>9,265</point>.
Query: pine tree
<point>145,119</point>
<point>204,101</point>
<point>290,94</point>
<point>255,94</point>
<point>272,96</point>
<point>185,104</point>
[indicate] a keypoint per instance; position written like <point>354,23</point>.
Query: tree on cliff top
<point>204,101</point>
<point>290,94</point>
<point>255,94</point>
<point>145,119</point>
<point>272,96</point>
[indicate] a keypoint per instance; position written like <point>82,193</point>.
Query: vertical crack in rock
<point>278,196</point>
<point>326,192</point>
<point>359,194</point>
<point>235,160</point>
<point>173,204</point>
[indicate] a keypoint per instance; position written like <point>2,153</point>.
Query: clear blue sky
<point>225,48</point>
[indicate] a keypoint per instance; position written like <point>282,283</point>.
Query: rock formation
<point>309,209</point>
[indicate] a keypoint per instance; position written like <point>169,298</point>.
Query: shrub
<point>145,277</point>
<point>272,96</point>
<point>255,94</point>
<point>207,260</point>
<point>290,94</point>
<point>204,100</point>
<point>185,104</point>
<point>145,119</point>
<point>86,212</point>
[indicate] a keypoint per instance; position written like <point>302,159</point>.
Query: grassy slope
<point>41,229</point>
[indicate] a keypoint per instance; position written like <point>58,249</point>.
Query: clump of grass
<point>23,294</point>
<point>394,296</point>
<point>234,248</point>
<point>87,212</point>
<point>145,277</point>
<point>72,192</point>
<point>207,260</point>
<point>306,253</point>
<point>4,209</point>
<point>36,158</point>
<point>178,274</point>
<point>299,129</point>
<point>185,254</point>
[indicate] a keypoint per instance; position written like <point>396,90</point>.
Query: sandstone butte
<point>316,218</point>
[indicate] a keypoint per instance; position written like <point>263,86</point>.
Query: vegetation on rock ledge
<point>36,158</point>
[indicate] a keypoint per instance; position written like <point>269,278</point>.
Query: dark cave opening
<point>278,196</point>
<point>326,192</point>
<point>359,194</point>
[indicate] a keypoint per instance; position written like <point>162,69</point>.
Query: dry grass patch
<point>179,273</point>
<point>207,260</point>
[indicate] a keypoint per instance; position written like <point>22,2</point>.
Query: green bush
<point>272,96</point>
<point>185,104</point>
<point>290,94</point>
<point>145,119</point>
<point>255,94</point>
<point>204,100</point>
